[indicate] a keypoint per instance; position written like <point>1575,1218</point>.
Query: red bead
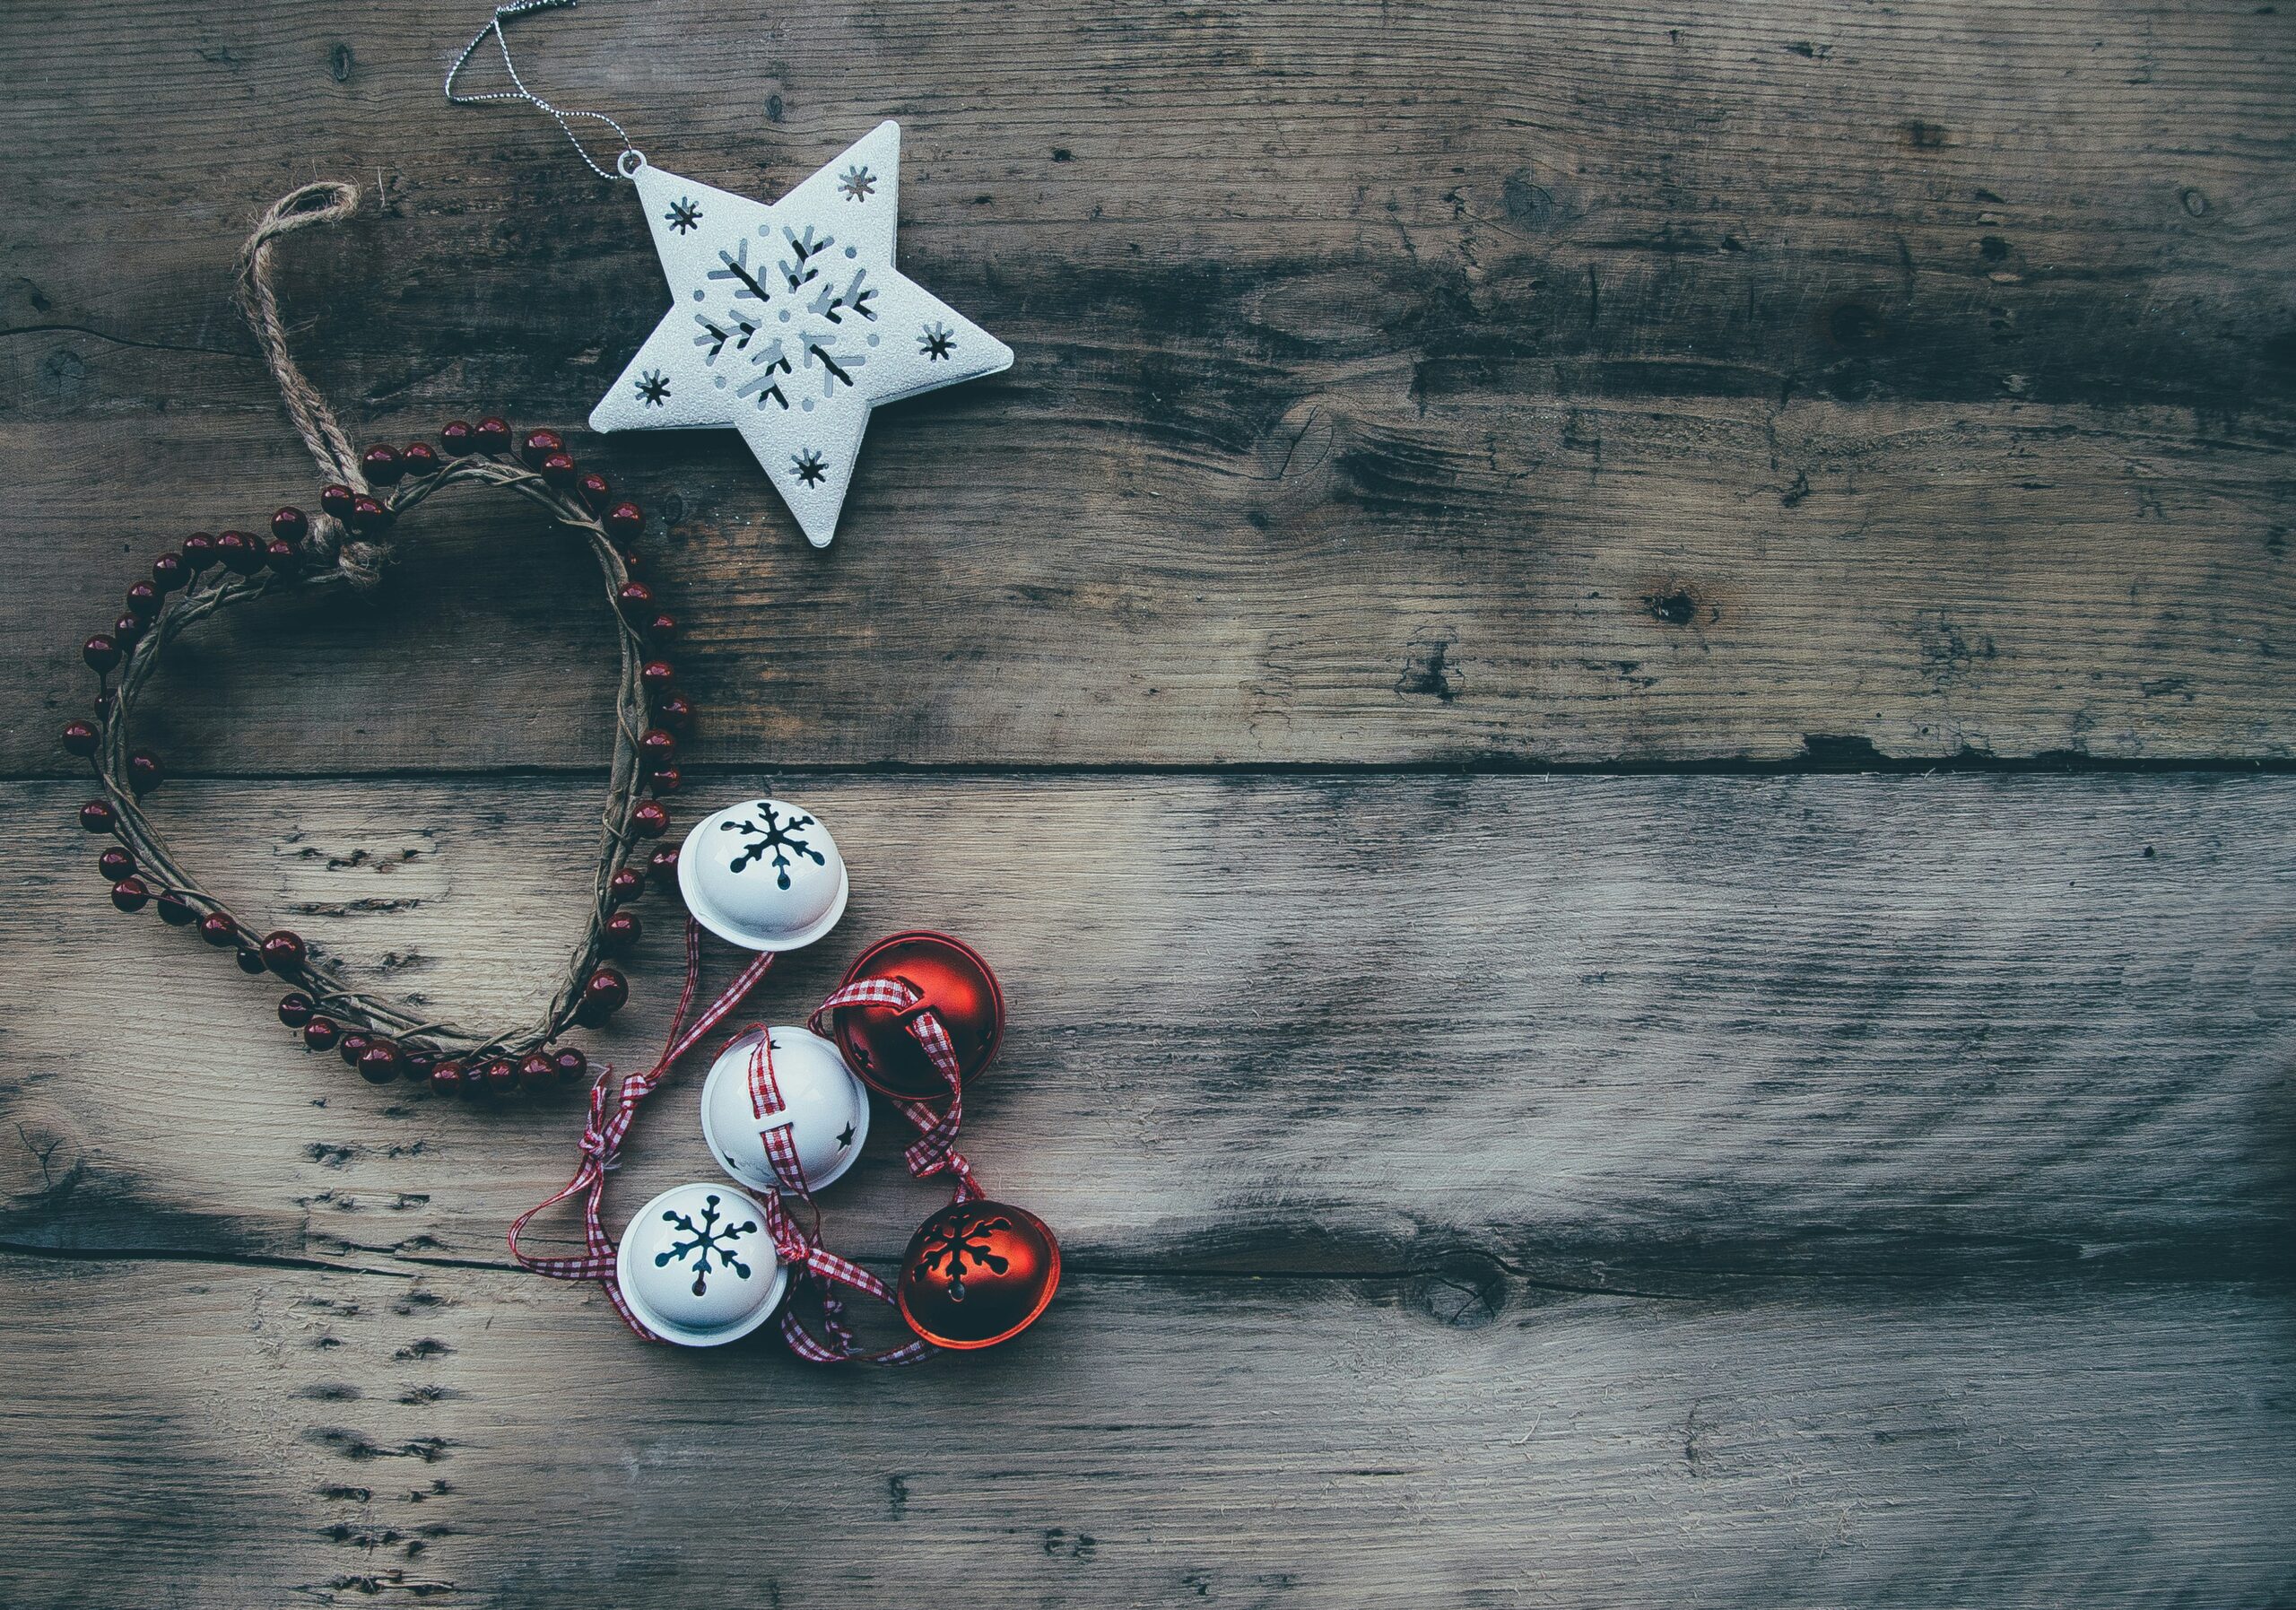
<point>663,865</point>
<point>977,1273</point>
<point>954,984</point>
<point>380,464</point>
<point>419,457</point>
<point>661,628</point>
<point>667,781</point>
<point>636,597</point>
<point>447,1077</point>
<point>501,1076</point>
<point>604,994</point>
<point>493,434</point>
<point>102,653</point>
<point>558,470</point>
<point>169,573</point>
<point>369,515</point>
<point>130,895</point>
<point>238,553</point>
<point>572,1066</point>
<point>625,519</point>
<point>623,932</point>
<point>676,712</point>
<point>115,863</point>
<point>97,816</point>
<point>416,1065</point>
<point>143,772</point>
<point>218,929</point>
<point>626,885</point>
<point>283,951</point>
<point>454,436</point>
<point>143,600</point>
<point>250,960</point>
<point>650,820</point>
<point>540,445</point>
<point>595,488</point>
<point>198,551</point>
<point>283,556</point>
<point>318,1033</point>
<point>289,524</point>
<point>658,674</point>
<point>175,911</point>
<point>656,748</point>
<point>381,1062</point>
<point>352,1047</point>
<point>536,1071</point>
<point>126,631</point>
<point>79,736</point>
<point>295,1009</point>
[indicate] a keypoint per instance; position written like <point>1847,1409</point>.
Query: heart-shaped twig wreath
<point>345,545</point>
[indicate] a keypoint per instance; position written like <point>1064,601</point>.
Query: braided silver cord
<point>626,165</point>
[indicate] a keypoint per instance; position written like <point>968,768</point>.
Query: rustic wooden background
<point>1613,682</point>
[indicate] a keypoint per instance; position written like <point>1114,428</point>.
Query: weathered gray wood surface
<point>1396,383</point>
<point>1585,1190</point>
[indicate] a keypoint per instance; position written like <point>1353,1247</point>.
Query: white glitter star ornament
<point>790,323</point>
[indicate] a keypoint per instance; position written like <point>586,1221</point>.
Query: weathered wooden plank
<point>1652,1033</point>
<point>220,1435</point>
<point>1678,389</point>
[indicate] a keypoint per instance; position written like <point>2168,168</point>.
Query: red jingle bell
<point>976,1274</point>
<point>952,981</point>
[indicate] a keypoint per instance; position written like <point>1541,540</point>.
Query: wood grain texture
<point>1681,386</point>
<point>247,1436</point>
<point>1665,1034</point>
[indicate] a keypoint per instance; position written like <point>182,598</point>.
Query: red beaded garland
<point>493,434</point>
<point>595,488</point>
<point>658,747</point>
<point>626,885</point>
<point>289,524</point>
<point>536,1071</point>
<point>238,553</point>
<point>623,932</point>
<point>663,865</point>
<point>130,895</point>
<point>636,597</point>
<point>143,600</point>
<point>381,465</point>
<point>126,631</point>
<point>284,557</point>
<point>370,514</point>
<point>101,652</point>
<point>218,929</point>
<point>143,772</point>
<point>604,994</point>
<point>295,1009</point>
<point>169,573</point>
<point>659,628</point>
<point>250,960</point>
<point>650,820</point>
<point>198,551</point>
<point>115,863</point>
<point>335,500</point>
<point>447,1077</point>
<point>454,436</point>
<point>665,780</point>
<point>572,1066</point>
<point>418,458</point>
<point>540,445</point>
<point>380,1062</point>
<point>80,736</point>
<point>175,911</point>
<point>658,674</point>
<point>97,816</point>
<point>320,1032</point>
<point>501,1076</point>
<point>352,1047</point>
<point>676,712</point>
<point>625,519</point>
<point>558,469</point>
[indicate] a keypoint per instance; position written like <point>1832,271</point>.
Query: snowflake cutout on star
<point>936,341</point>
<point>970,1239</point>
<point>709,1236</point>
<point>652,388</point>
<point>777,836</point>
<point>809,467</point>
<point>683,215</point>
<point>857,182</point>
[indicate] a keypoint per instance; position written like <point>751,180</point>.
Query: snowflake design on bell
<point>653,390</point>
<point>776,836</point>
<point>787,323</point>
<point>968,1238</point>
<point>707,1237</point>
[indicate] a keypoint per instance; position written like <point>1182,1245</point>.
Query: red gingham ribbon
<point>799,1245</point>
<point>934,1150</point>
<point>609,1122</point>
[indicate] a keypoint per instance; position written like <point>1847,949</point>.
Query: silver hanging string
<point>626,165</point>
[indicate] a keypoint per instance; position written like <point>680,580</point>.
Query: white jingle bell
<point>697,1265</point>
<point>764,875</point>
<point>824,1107</point>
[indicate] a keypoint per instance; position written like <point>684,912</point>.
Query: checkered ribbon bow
<point>612,1112</point>
<point>799,1244</point>
<point>934,1150</point>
